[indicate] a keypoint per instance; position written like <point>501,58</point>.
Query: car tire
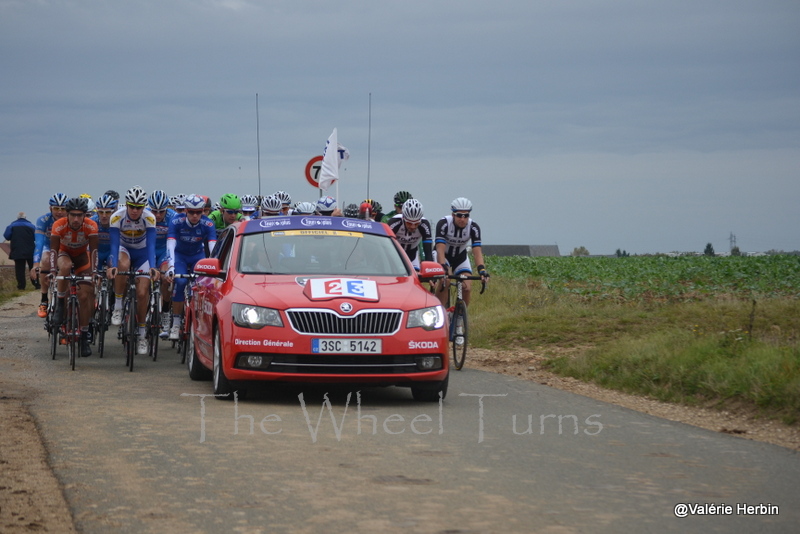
<point>223,389</point>
<point>430,392</point>
<point>197,371</point>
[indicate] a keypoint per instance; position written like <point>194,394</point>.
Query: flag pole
<point>258,149</point>
<point>369,141</point>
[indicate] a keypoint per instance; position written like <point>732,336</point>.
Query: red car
<point>316,299</point>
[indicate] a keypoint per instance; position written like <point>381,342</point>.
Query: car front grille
<point>342,364</point>
<point>327,322</point>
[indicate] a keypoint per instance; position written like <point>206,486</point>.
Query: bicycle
<point>183,338</point>
<point>459,331</point>
<point>129,328</point>
<point>49,324</point>
<point>102,312</point>
<point>70,329</point>
<point>153,321</point>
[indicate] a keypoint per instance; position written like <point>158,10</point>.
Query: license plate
<point>346,346</point>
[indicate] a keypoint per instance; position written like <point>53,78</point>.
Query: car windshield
<point>320,252</point>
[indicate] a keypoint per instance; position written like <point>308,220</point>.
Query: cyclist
<point>327,206</point>
<point>411,229</point>
<point>207,208</point>
<point>158,204</point>
<point>178,207</point>
<point>74,240</point>
<point>41,251</point>
<point>351,210</point>
<point>374,210</point>
<point>399,199</point>
<point>133,248</point>
<point>249,207</point>
<point>286,202</point>
<point>189,234</point>
<point>304,208</point>
<point>271,206</point>
<point>230,211</point>
<point>453,233</point>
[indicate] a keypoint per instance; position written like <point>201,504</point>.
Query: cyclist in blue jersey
<point>41,251</point>
<point>189,233</point>
<point>158,204</point>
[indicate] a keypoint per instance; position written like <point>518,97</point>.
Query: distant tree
<point>736,252</point>
<point>709,251</point>
<point>580,251</point>
<point>622,253</point>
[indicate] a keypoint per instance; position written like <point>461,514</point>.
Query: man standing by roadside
<point>21,235</point>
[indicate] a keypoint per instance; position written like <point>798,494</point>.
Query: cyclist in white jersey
<point>133,247</point>
<point>411,229</point>
<point>453,234</point>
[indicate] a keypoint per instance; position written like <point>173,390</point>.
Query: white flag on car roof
<point>331,161</point>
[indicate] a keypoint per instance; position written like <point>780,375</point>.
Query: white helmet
<point>271,204</point>
<point>461,204</point>
<point>326,205</point>
<point>194,202</point>
<point>249,202</point>
<point>136,195</point>
<point>285,198</point>
<point>412,210</point>
<point>304,208</point>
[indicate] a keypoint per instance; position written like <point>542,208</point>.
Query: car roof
<point>313,222</point>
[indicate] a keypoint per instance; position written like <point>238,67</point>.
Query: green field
<point>697,330</point>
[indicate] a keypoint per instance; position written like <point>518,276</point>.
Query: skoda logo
<point>346,307</point>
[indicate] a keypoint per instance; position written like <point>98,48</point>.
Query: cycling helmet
<point>194,202</point>
<point>400,197</point>
<point>87,196</point>
<point>59,199</point>
<point>90,204</point>
<point>158,200</point>
<point>304,208</point>
<point>461,204</point>
<point>135,195</point>
<point>78,204</point>
<point>229,201</point>
<point>285,198</point>
<point>249,203</point>
<point>375,205</point>
<point>173,200</point>
<point>107,202</point>
<point>216,207</point>
<point>271,205</point>
<point>351,210</point>
<point>365,210</point>
<point>412,210</point>
<point>326,205</point>
<point>206,200</point>
<point>113,194</point>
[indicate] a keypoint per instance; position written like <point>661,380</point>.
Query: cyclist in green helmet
<point>230,211</point>
<point>399,199</point>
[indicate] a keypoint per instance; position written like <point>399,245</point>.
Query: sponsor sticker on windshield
<point>340,233</point>
<point>328,288</point>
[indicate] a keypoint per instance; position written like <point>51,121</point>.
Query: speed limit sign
<point>312,171</point>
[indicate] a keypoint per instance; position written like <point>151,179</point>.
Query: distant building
<point>521,250</point>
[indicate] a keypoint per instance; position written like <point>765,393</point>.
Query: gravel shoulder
<point>31,498</point>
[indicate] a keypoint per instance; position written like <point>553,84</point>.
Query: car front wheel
<point>430,392</point>
<point>223,389</point>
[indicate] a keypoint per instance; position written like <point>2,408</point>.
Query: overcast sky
<point>630,124</point>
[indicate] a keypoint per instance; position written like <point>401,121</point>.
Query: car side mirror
<point>208,267</point>
<point>430,270</point>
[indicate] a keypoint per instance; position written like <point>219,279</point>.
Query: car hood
<point>292,291</point>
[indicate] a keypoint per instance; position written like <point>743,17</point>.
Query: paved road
<point>144,452</point>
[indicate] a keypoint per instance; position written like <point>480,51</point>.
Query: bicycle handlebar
<point>473,277</point>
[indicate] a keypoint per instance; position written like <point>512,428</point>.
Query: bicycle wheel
<point>459,334</point>
<point>102,320</point>
<point>155,329</point>
<point>73,330</point>
<point>52,327</point>
<point>132,331</point>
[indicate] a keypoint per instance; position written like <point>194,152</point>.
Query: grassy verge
<point>721,349</point>
<point>8,284</point>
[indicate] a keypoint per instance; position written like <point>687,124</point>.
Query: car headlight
<point>250,316</point>
<point>428,318</point>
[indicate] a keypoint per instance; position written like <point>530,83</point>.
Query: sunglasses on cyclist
<point>135,206</point>
<point>232,212</point>
<point>194,212</point>
<point>105,212</point>
<point>461,215</point>
<point>158,212</point>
